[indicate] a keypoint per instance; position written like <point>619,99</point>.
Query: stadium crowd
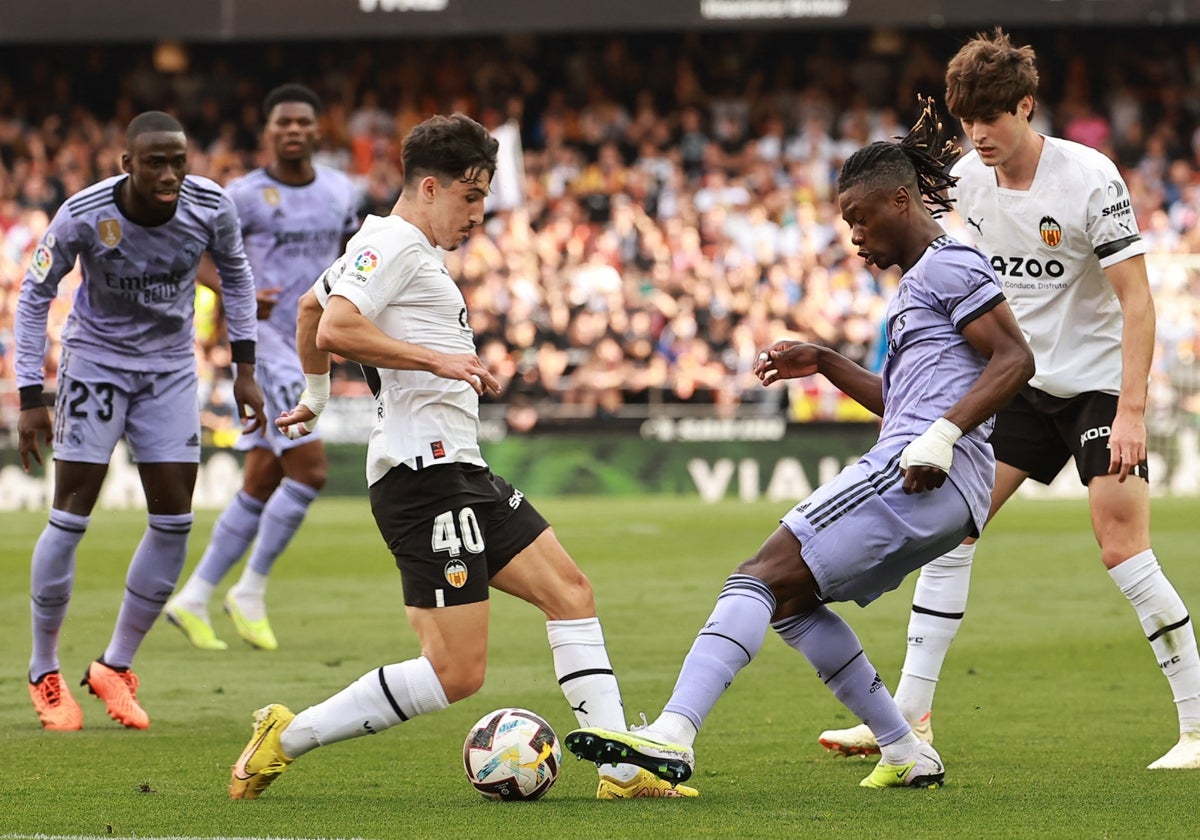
<point>665,204</point>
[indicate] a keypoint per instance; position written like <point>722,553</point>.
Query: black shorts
<point>451,528</point>
<point>1037,433</point>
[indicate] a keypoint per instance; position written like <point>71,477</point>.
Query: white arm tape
<point>933,448</point>
<point>314,398</point>
<point>316,393</point>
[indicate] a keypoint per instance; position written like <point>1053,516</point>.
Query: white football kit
<point>1049,246</point>
<point>399,281</point>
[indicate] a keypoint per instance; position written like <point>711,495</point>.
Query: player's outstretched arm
<point>795,359</point>
<point>346,331</point>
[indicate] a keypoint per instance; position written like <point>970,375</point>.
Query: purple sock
<point>153,573</point>
<point>827,641</point>
<point>231,536</point>
<point>728,641</point>
<point>281,518</point>
<point>51,574</point>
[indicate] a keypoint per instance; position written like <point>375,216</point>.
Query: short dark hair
<point>150,121</point>
<point>451,148</point>
<point>290,92</point>
<point>915,161</point>
<point>989,76</point>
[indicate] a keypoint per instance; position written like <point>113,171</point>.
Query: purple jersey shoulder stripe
<point>92,202</point>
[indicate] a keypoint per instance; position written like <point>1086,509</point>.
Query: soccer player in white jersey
<point>127,369</point>
<point>296,217</point>
<point>453,527</point>
<point>954,356</point>
<point>1054,218</point>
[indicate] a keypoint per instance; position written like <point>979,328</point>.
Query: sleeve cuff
<point>31,397</point>
<point>242,352</point>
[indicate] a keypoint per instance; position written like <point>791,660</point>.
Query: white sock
<point>250,593</point>
<point>586,678</point>
<point>374,702</point>
<point>675,728</point>
<point>939,602</point>
<point>900,752</point>
<point>194,595</point>
<point>1168,627</point>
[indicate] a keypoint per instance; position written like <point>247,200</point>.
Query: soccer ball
<point>512,754</point>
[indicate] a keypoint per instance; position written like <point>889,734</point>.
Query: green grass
<point>1050,706</point>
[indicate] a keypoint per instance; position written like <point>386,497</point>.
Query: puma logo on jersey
<point>977,225</point>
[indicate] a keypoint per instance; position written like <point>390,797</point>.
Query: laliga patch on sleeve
<point>42,260</point>
<point>363,264</point>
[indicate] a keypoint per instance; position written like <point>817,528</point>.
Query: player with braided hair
<point>1055,219</point>
<point>917,150</point>
<point>955,356</point>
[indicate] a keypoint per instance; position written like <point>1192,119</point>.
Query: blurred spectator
<point>219,424</point>
<point>673,210</point>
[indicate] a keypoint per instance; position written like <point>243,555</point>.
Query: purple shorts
<point>158,413</point>
<point>860,534</point>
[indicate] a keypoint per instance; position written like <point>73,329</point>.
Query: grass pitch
<point>1049,709</point>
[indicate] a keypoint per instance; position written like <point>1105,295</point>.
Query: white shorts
<point>861,534</point>
<point>281,380</point>
<point>157,412</point>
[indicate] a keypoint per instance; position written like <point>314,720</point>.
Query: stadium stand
<point>666,207</point>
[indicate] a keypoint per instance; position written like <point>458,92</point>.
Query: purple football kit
<point>292,234</point>
<point>128,364</point>
<point>860,533</point>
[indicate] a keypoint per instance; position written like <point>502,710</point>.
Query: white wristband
<point>933,448</point>
<point>316,393</point>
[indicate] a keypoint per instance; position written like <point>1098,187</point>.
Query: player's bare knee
<point>573,598</point>
<point>755,567</point>
<point>307,465</point>
<point>1114,555</point>
<point>790,580</point>
<point>460,679</point>
<point>314,477</point>
<point>260,490</point>
<point>1120,538</point>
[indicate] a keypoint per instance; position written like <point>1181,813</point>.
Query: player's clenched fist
<point>786,360</point>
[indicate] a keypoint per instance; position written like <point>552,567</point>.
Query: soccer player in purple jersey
<point>128,369</point>
<point>296,216</point>
<point>1056,220</point>
<point>955,355</point>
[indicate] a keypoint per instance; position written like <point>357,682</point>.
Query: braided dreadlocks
<point>914,161</point>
